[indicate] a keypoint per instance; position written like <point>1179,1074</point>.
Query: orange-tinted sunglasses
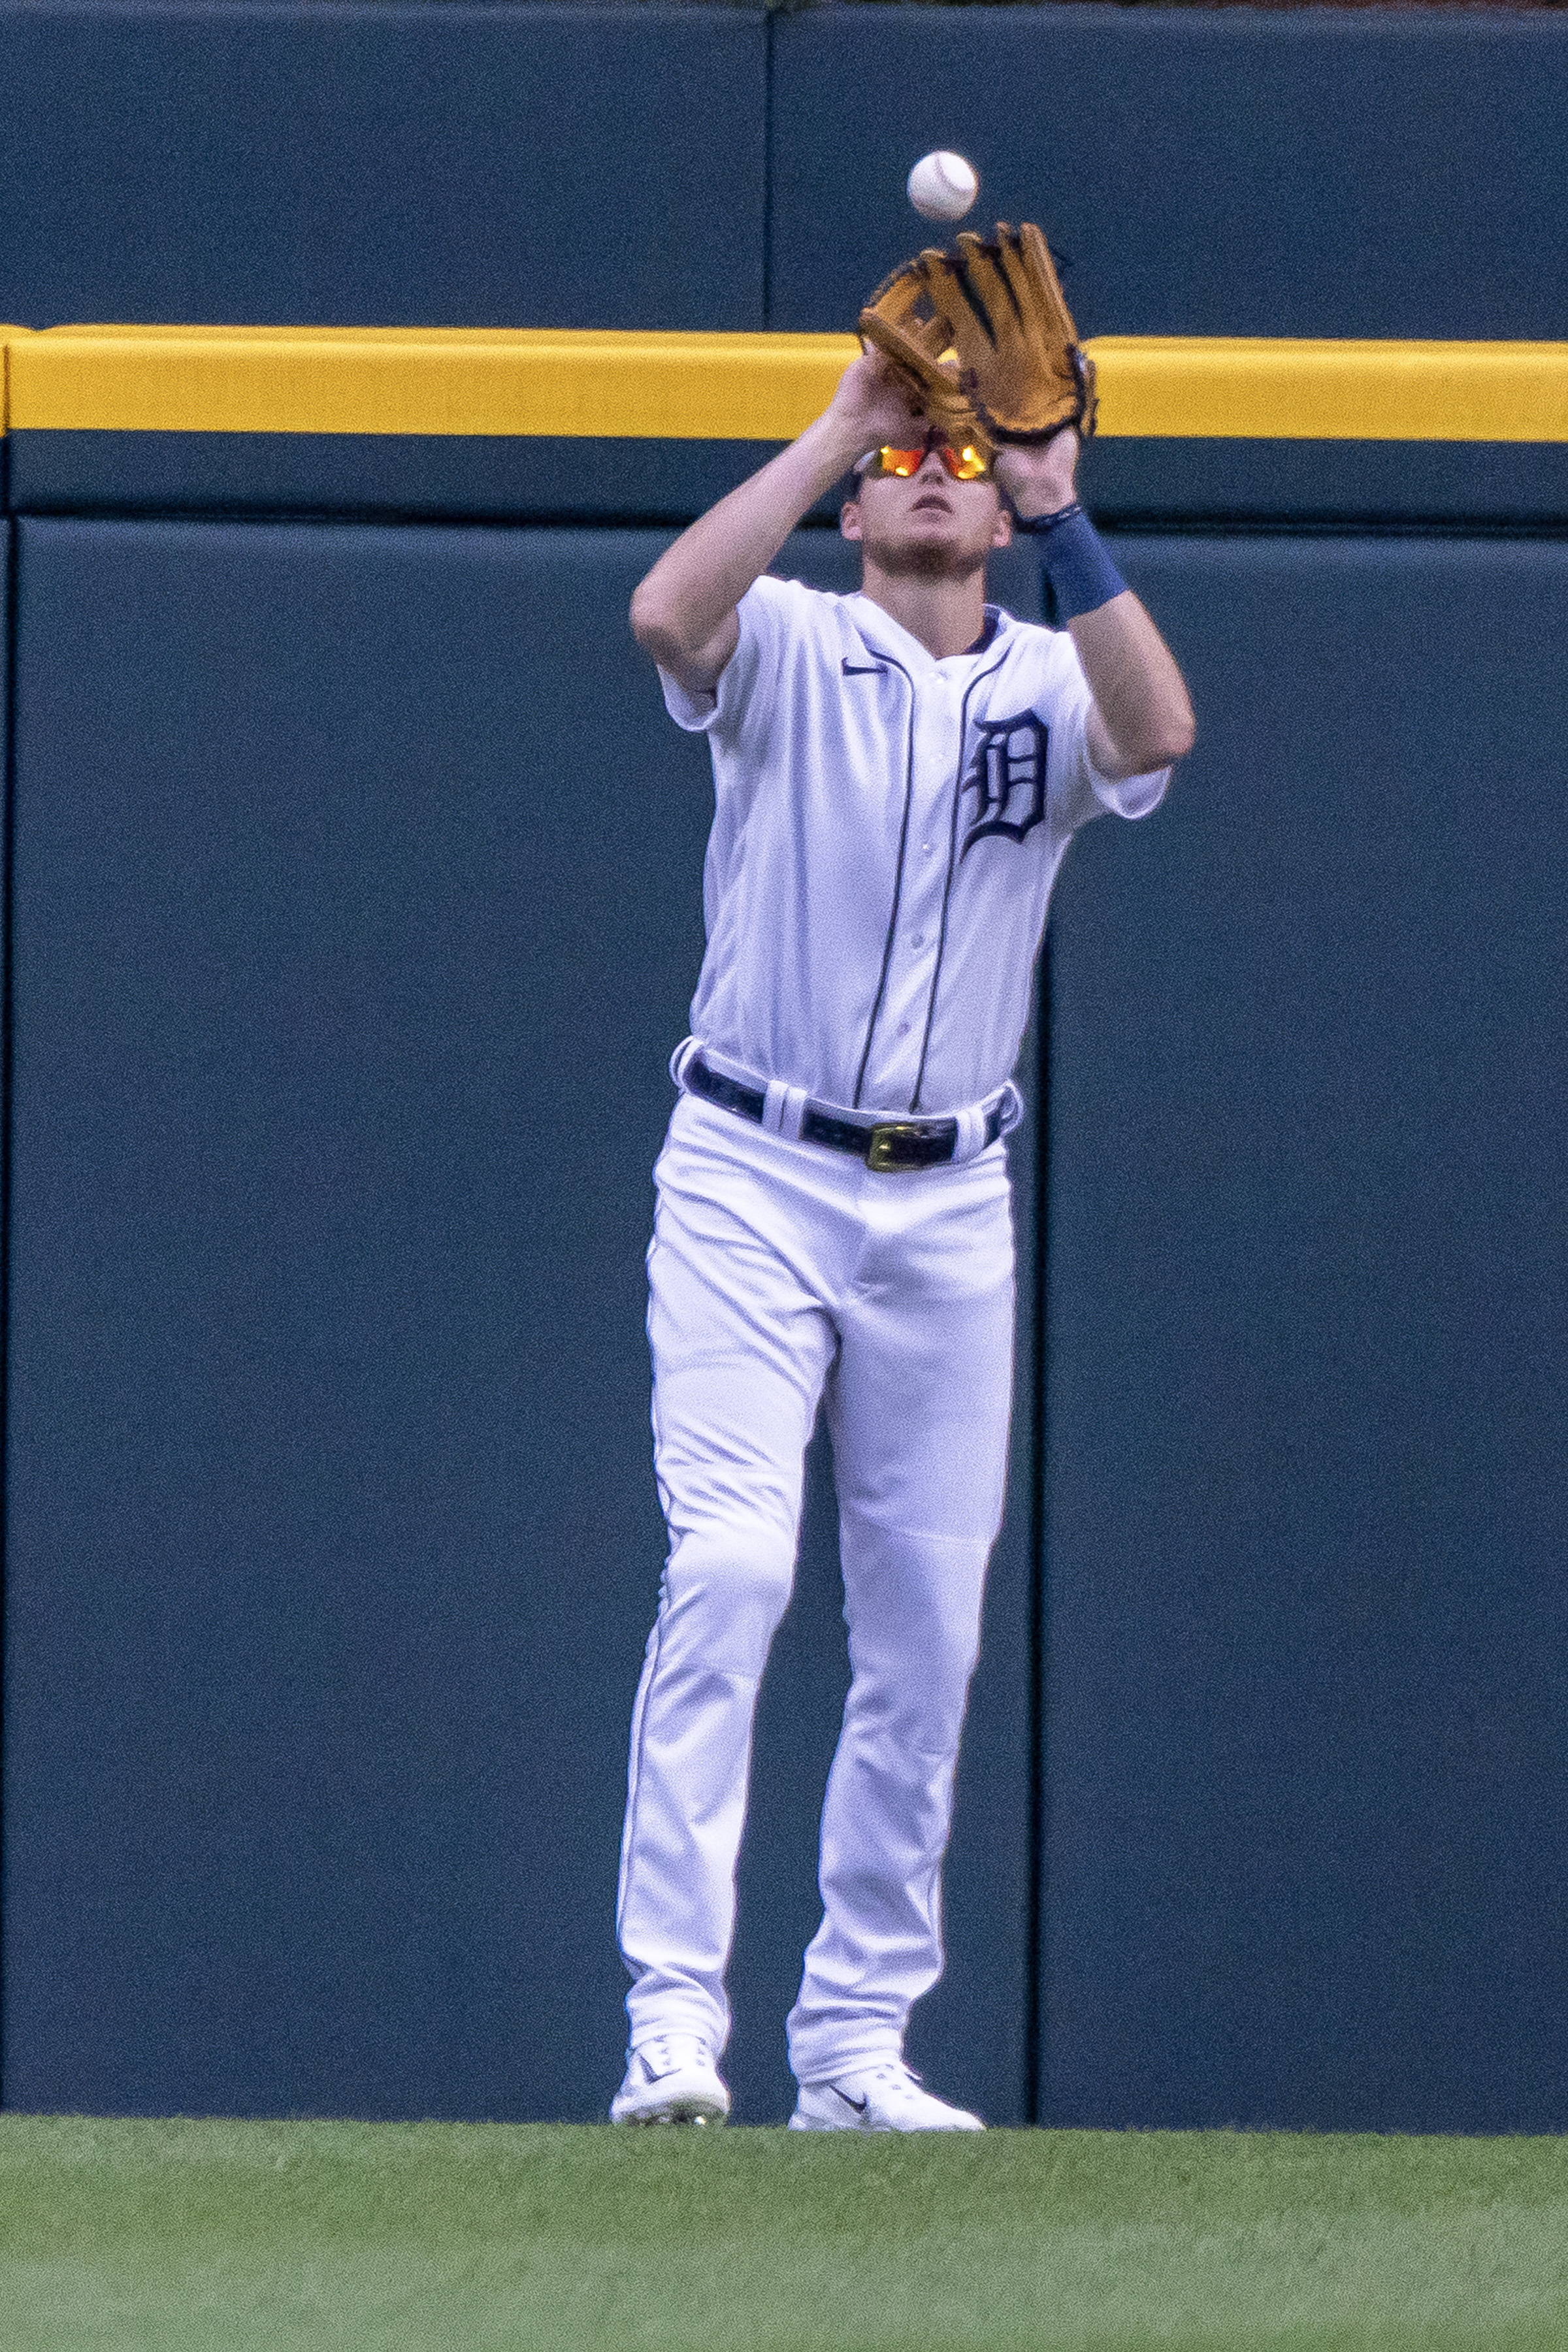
<point>966,465</point>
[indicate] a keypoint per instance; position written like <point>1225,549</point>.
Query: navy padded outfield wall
<point>382,165</point>
<point>1316,172</point>
<point>359,901</point>
<point>356,907</point>
<point>1231,171</point>
<point>1308,1377</point>
<point>356,910</point>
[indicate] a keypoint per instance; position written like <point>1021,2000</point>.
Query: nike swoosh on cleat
<point>860,2105</point>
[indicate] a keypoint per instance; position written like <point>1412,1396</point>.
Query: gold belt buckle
<point>881,1152</point>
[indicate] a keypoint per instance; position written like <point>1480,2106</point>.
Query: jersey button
<point>903,1028</point>
<point>919,940</point>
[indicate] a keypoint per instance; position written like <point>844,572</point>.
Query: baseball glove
<point>1000,305</point>
<point>906,327</point>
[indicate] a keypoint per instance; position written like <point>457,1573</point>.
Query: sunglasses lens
<point>965,465</point>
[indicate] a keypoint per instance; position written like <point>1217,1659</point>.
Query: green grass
<point>185,2235</point>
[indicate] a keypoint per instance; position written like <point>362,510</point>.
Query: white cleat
<point>889,2097</point>
<point>671,2080</point>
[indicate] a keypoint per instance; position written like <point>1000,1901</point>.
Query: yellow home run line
<point>737,387</point>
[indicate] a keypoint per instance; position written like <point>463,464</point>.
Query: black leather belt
<point>885,1146</point>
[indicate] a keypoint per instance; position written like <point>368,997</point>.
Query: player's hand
<point>872,407</point>
<point>1039,480</point>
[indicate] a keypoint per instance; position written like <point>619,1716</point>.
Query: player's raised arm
<point>1143,716</point>
<point>1031,383</point>
<point>683,613</point>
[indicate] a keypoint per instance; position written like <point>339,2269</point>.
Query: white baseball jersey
<point>887,832</point>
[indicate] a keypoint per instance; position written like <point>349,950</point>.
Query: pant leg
<point>919,1409</point>
<point>740,1346</point>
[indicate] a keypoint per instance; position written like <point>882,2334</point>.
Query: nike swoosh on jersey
<point>863,669</point>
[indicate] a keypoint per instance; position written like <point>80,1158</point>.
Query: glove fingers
<point>900,297</point>
<point>901,322</point>
<point>946,401</point>
<point>1025,390</point>
<point>972,346</point>
<point>984,286</point>
<point>935,273</point>
<point>1047,327</point>
<point>933,389</point>
<point>967,320</point>
<point>1034,308</point>
<point>1030,256</point>
<point>912,291</point>
<point>908,355</point>
<point>1019,374</point>
<point>1040,379</point>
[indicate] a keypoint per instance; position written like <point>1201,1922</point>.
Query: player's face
<point>925,525</point>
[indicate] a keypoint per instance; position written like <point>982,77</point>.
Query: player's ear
<point>850,519</point>
<point>1002,534</point>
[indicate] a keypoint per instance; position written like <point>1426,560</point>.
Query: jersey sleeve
<point>1078,791</point>
<point>743,681</point>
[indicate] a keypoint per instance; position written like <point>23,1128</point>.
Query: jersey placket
<point>894,1068</point>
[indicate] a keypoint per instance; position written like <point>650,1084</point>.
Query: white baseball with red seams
<point>943,185</point>
<point>888,828</point>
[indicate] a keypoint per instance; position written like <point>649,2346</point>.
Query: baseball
<point>943,186</point>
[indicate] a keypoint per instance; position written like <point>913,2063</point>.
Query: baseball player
<point>897,774</point>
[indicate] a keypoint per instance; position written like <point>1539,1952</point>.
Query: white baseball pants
<point>780,1271</point>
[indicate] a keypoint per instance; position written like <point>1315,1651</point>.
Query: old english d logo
<point>1007,779</point>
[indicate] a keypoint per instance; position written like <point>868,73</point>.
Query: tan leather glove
<point>1000,304</point>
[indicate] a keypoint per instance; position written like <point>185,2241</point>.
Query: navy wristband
<point>1081,573</point>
